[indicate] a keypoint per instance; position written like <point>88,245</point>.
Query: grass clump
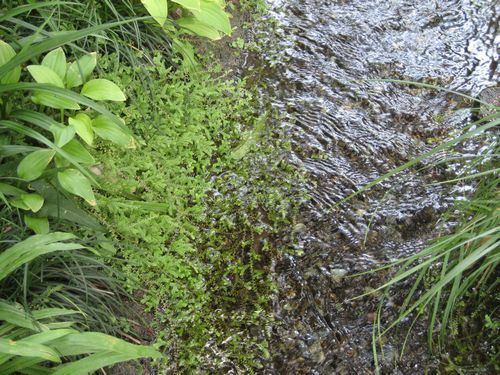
<point>196,212</point>
<point>454,280</point>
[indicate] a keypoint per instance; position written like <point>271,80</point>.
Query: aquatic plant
<point>453,269</point>
<point>194,211</point>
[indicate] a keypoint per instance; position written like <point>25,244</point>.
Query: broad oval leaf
<point>83,127</point>
<point>6,54</point>
<point>33,165</point>
<point>189,4</point>
<point>39,225</point>
<point>33,201</point>
<point>198,28</point>
<point>76,183</point>
<point>107,129</point>
<point>19,203</point>
<point>54,101</point>
<point>61,162</point>
<point>56,61</point>
<point>102,89</point>
<point>62,134</point>
<point>43,74</point>
<point>78,152</point>
<point>213,15</point>
<point>29,202</point>
<point>158,9</point>
<point>80,70</point>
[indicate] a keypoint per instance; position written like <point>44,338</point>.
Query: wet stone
<point>490,95</point>
<point>337,274</point>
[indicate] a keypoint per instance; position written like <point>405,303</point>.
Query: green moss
<point>197,212</point>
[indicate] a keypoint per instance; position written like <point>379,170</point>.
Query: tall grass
<point>76,280</point>
<point>460,264</point>
<point>33,337</point>
<point>132,40</point>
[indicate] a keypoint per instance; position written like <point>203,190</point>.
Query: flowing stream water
<point>346,131</point>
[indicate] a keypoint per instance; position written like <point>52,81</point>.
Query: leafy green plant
<point>195,211</point>
<point>205,18</point>
<point>32,338</point>
<point>68,156</point>
<point>55,167</point>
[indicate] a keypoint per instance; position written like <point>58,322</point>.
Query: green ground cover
<point>196,212</point>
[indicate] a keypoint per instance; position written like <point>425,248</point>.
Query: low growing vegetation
<point>195,213</point>
<point>132,174</point>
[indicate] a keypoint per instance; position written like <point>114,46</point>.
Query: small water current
<point>347,131</point>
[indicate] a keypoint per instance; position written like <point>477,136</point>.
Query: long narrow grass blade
<point>34,246</point>
<point>93,363</point>
<point>418,159</point>
<point>16,316</point>
<point>434,87</point>
<point>29,7</point>
<point>94,342</point>
<point>57,41</point>
<point>469,177</point>
<point>411,271</point>
<point>28,349</point>
<point>422,302</point>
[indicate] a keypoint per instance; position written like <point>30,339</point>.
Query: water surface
<point>347,131</point>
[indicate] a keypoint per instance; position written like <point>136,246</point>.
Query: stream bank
<point>200,210</point>
<point>310,61</point>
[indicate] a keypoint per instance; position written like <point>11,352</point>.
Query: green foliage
<point>64,150</point>
<point>29,338</point>
<point>205,18</point>
<point>29,249</point>
<point>255,7</point>
<point>192,202</point>
<point>195,211</point>
<point>55,18</point>
<point>44,165</point>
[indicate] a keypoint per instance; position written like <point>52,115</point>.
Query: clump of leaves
<point>195,211</point>
<point>55,164</point>
<point>205,18</point>
<point>63,159</point>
